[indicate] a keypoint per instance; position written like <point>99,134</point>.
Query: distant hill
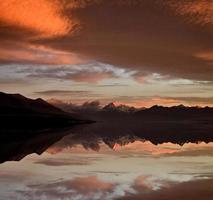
<point>16,103</point>
<point>93,110</point>
<point>111,107</point>
<point>179,111</point>
<point>17,111</point>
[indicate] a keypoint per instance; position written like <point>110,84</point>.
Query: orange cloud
<point>202,11</point>
<point>41,16</point>
<point>208,56</point>
<point>28,53</point>
<point>150,102</point>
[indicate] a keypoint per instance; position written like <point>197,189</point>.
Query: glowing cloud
<point>201,11</point>
<point>41,16</point>
<point>27,53</point>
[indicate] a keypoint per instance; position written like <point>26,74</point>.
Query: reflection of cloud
<point>193,152</point>
<point>142,188</point>
<point>13,176</point>
<point>198,189</point>
<point>146,184</point>
<point>64,162</point>
<point>78,188</point>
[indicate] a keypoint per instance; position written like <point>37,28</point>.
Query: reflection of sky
<point>137,168</point>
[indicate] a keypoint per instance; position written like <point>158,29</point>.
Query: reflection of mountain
<point>14,147</point>
<point>115,125</point>
<point>92,140</point>
<point>17,111</point>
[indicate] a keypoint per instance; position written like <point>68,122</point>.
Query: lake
<point>89,167</point>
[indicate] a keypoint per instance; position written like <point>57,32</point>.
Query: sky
<point>134,52</point>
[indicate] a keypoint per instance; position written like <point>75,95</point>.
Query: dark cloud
<point>164,36</point>
<point>113,85</point>
<point>90,77</point>
<point>193,100</point>
<point>147,36</point>
<point>64,93</point>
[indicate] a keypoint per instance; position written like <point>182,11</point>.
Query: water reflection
<point>81,163</point>
<point>16,145</point>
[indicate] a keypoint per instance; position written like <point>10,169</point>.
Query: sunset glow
<point>42,16</point>
<point>114,58</point>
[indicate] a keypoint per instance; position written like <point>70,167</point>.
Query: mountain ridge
<point>17,111</point>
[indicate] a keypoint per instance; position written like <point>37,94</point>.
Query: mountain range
<point>32,125</point>
<point>93,109</point>
<point>17,111</point>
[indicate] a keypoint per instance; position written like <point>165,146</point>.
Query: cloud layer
<point>94,41</point>
<point>43,17</point>
<point>166,37</point>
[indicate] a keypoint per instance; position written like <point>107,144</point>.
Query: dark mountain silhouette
<point>158,124</point>
<point>111,107</point>
<point>17,111</point>
<point>161,112</point>
<point>179,111</point>
<point>92,107</point>
<point>31,126</point>
<point>14,103</point>
<point>174,111</point>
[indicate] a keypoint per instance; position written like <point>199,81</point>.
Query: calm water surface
<point>100,168</point>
